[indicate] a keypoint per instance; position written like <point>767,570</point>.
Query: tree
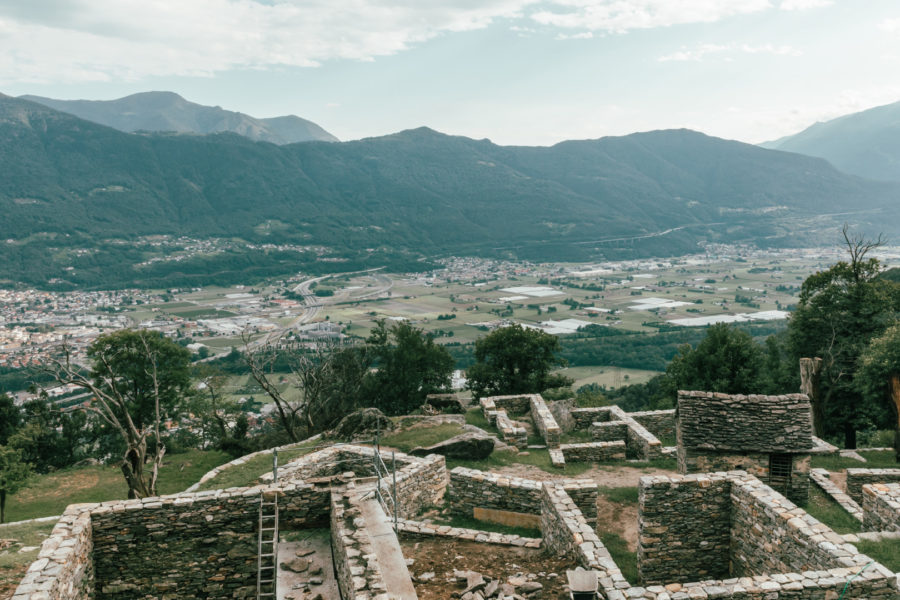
<point>878,379</point>
<point>50,438</point>
<point>410,366</point>
<point>515,360</point>
<point>222,423</point>
<point>330,378</point>
<point>137,378</point>
<point>839,312</point>
<point>10,418</point>
<point>14,472</point>
<point>727,360</point>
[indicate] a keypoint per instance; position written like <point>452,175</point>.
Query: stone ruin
<point>722,534</point>
<point>767,436</point>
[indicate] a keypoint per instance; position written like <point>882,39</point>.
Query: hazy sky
<point>514,71</point>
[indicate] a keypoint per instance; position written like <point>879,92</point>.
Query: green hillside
<point>69,183</point>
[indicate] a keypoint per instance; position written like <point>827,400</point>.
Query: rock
<point>297,565</point>
<point>474,583</point>
<point>364,423</point>
<point>426,576</point>
<point>317,570</point>
<point>492,588</point>
<point>471,445</point>
<point>316,580</point>
<point>529,587</point>
<point>445,403</point>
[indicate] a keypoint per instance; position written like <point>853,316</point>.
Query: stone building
<point>767,436</point>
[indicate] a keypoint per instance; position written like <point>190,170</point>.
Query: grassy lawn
<point>620,495</point>
<point>248,473</point>
<point>416,437</point>
<point>472,523</point>
<point>625,559</point>
<point>14,563</point>
<point>537,458</point>
<point>874,460</point>
<point>822,507</point>
<point>50,494</point>
<point>887,552</point>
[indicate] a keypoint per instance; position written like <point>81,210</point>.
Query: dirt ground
<point>9,580</point>
<point>618,518</point>
<point>442,556</point>
<point>839,478</point>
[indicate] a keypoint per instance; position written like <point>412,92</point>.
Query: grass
<point>576,436</point>
<point>620,495</point>
<point>625,559</point>
<point>248,473</point>
<point>473,523</point>
<point>536,458</point>
<point>49,494</point>
<point>874,460</point>
<point>416,437</point>
<point>12,562</point>
<point>887,552</point>
<point>822,507</point>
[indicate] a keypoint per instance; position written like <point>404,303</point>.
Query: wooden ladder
<point>267,554</point>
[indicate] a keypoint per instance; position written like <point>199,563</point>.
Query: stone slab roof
<point>744,423</point>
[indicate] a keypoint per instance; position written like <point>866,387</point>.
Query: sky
<point>518,72</point>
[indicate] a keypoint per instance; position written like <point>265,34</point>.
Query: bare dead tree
<point>112,407</point>
<point>858,246</point>
<point>328,374</point>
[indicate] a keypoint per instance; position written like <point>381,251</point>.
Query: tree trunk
<point>810,369</point>
<point>849,437</point>
<point>895,396</point>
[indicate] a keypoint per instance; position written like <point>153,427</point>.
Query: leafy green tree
<point>50,438</point>
<point>878,379</point>
<point>727,360</point>
<point>515,360</point>
<point>14,472</point>
<point>137,379</point>
<point>410,366</point>
<point>839,312</point>
<point>10,418</point>
<point>219,416</point>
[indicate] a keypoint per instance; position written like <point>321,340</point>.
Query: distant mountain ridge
<point>73,182</point>
<point>169,112</point>
<point>866,143</point>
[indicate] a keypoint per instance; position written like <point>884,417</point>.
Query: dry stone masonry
<point>593,451</point>
<point>857,478</point>
<point>611,423</point>
<point>821,478</point>
<point>767,436</point>
<point>881,507</point>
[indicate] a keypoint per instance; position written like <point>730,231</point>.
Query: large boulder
<point>362,424</point>
<point>471,445</point>
<point>445,403</point>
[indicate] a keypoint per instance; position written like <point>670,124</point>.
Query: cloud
<point>621,16</point>
<point>584,35</point>
<point>101,40</point>
<point>727,52</point>
<point>890,25</point>
<point>803,4</point>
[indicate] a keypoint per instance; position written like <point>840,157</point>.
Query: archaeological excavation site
<point>355,521</point>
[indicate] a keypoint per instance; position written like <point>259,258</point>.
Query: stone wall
<point>544,421</point>
<point>358,574</point>
<point>684,528</point>
<point>770,534</point>
<point>881,507</point>
<point>754,423</point>
<point>583,417</point>
<point>660,423</point>
<point>420,484</point>
<point>567,533</point>
<point>776,549</point>
<point>470,488</point>
<point>593,451</point>
<point>201,545</point>
<point>511,431</point>
<point>64,569</point>
<point>641,444</point>
<point>608,431</point>
<point>857,478</point>
<point>754,463</point>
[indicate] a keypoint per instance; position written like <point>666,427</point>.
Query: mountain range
<point>70,181</point>
<point>866,143</point>
<point>169,112</point>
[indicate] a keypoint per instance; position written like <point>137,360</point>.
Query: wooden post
<point>810,369</point>
<point>895,396</point>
